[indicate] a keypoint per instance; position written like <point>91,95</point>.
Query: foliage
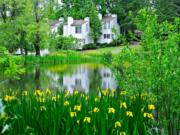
<point>103,112</point>
<point>9,64</point>
<point>167,9</point>
<point>64,43</point>
<point>155,67</point>
<point>90,46</point>
<point>126,12</point>
<point>107,58</point>
<point>23,25</point>
<point>115,43</point>
<point>59,42</point>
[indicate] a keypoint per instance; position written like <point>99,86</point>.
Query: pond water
<point>83,77</point>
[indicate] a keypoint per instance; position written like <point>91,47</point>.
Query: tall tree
<point>10,10</point>
<point>38,27</point>
<point>167,9</point>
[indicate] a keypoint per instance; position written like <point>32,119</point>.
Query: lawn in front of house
<point>113,50</point>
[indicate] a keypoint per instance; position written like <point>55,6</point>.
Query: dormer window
<point>78,29</point>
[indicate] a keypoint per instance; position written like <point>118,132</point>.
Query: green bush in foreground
<point>106,112</point>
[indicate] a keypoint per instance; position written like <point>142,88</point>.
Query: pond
<point>83,77</point>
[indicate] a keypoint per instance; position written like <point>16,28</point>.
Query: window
<point>87,28</point>
<point>106,75</point>
<point>78,82</point>
<point>107,36</point>
<point>78,29</point>
<point>107,25</point>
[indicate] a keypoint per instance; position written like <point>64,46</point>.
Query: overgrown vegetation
<point>154,68</point>
<point>10,65</point>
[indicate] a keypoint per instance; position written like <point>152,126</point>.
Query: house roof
<point>54,23</point>
<point>78,22</point>
<point>108,18</point>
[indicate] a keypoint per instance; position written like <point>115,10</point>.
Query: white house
<point>79,29</point>
<point>109,22</point>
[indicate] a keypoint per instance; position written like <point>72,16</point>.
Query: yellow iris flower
<point>151,107</point>
<point>96,109</point>
<point>77,108</point>
<point>111,110</point>
<point>129,114</point>
<point>123,105</point>
<point>117,124</point>
<point>66,103</point>
<point>8,98</point>
<point>73,114</point>
<point>42,108</point>
<point>87,120</point>
<point>148,115</point>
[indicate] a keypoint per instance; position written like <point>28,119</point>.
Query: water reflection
<point>83,77</point>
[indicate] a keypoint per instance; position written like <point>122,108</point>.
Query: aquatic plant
<point>103,112</point>
<point>62,57</point>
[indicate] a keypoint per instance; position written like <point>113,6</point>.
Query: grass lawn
<point>113,50</point>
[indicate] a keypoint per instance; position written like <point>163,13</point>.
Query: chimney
<point>100,16</point>
<point>61,19</point>
<point>115,16</point>
<point>87,19</point>
<point>70,20</point>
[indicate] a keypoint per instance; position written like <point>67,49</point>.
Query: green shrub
<point>90,47</point>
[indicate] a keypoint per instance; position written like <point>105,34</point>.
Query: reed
<point>61,58</point>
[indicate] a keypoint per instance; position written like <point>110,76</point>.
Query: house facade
<point>109,22</point>
<point>79,29</point>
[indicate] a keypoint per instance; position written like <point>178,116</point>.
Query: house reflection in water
<point>108,81</point>
<point>79,80</point>
<point>55,80</point>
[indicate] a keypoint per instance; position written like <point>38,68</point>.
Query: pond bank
<point>62,57</point>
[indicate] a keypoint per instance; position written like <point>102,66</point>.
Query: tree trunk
<point>37,44</point>
<point>3,13</point>
<point>37,49</point>
<point>21,49</point>
<point>26,51</point>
